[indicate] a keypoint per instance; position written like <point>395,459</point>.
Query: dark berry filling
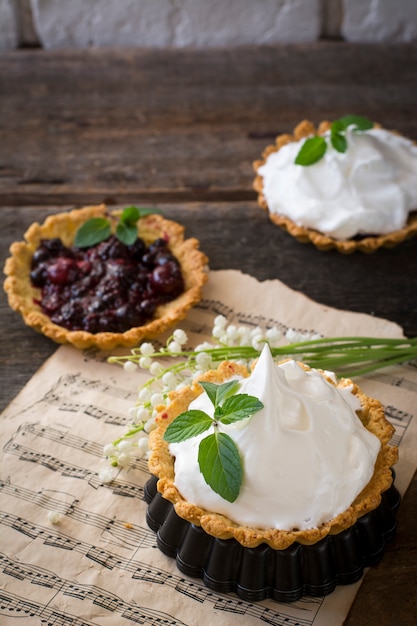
<point>109,287</point>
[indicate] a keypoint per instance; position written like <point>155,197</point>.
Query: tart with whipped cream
<point>317,464</point>
<point>108,293</point>
<point>362,198</point>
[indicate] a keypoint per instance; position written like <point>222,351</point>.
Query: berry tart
<point>316,503</point>
<point>109,293</point>
<point>348,185</point>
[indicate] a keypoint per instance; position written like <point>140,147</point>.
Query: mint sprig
<point>218,456</point>
<point>314,148</point>
<point>98,229</point>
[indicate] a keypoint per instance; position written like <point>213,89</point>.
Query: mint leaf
<point>143,211</point>
<point>339,142</point>
<point>130,215</point>
<point>237,408</point>
<point>186,425</point>
<point>217,393</point>
<point>311,151</point>
<point>358,121</point>
<point>337,137</point>
<point>337,127</point>
<point>92,232</point>
<point>221,465</point>
<point>126,233</point>
<point>126,229</point>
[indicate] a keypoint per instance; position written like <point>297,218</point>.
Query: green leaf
<point>186,425</point>
<point>337,127</point>
<point>358,121</point>
<point>92,232</point>
<point>126,233</point>
<point>217,393</point>
<point>339,142</point>
<point>130,215</point>
<point>312,150</point>
<point>238,408</point>
<point>148,211</point>
<point>221,465</point>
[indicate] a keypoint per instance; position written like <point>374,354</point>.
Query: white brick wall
<point>202,23</point>
<point>178,23</point>
<point>380,20</point>
<point>9,34</point>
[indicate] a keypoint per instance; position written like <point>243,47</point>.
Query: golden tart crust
<point>22,295</point>
<point>320,240</point>
<point>161,464</point>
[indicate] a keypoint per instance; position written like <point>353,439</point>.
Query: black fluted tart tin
<point>224,565</point>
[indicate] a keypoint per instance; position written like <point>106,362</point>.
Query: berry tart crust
<point>161,464</point>
<point>22,295</point>
<point>320,240</point>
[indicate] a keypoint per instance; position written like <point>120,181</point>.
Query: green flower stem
<point>374,366</point>
<point>131,433</point>
<point>343,355</point>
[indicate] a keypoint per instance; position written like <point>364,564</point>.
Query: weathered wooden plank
<point>179,125</point>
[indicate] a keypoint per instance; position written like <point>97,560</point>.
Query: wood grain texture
<point>180,129</point>
<point>134,125</point>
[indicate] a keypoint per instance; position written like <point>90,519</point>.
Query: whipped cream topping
<point>370,189</point>
<point>306,454</point>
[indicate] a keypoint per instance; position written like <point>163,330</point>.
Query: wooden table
<point>180,129</point>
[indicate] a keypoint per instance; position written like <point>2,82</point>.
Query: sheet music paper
<point>99,565</point>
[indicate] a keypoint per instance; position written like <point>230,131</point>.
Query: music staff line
<point>69,406</point>
<point>13,605</point>
<point>128,534</point>
<point>66,405</point>
<point>147,573</point>
<point>400,382</point>
<point>63,436</point>
<point>68,386</point>
<point>79,381</point>
<point>69,440</point>
<point>82,592</point>
<point>216,307</point>
<point>117,486</point>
